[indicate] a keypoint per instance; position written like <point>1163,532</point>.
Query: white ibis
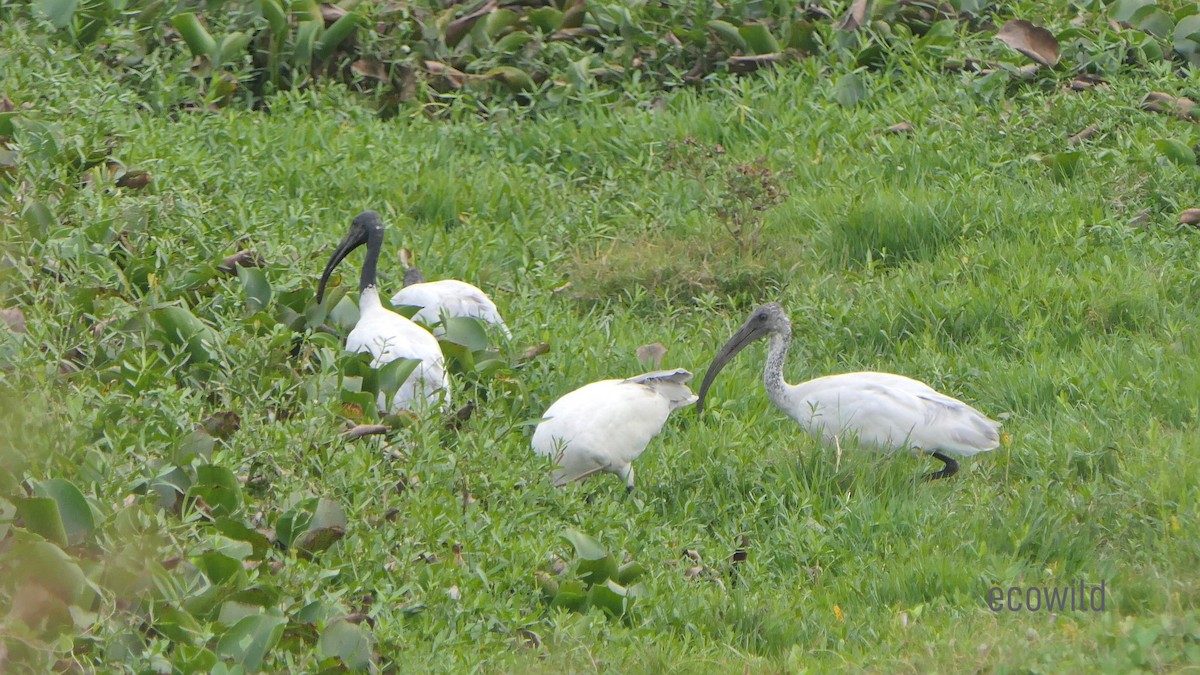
<point>453,297</point>
<point>605,425</point>
<point>384,333</point>
<point>878,409</point>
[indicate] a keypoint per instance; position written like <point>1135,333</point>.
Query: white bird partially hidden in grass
<point>448,296</point>
<point>890,412</point>
<point>605,425</point>
<point>384,333</point>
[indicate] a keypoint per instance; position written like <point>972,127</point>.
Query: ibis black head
<point>367,228</point>
<point>765,320</point>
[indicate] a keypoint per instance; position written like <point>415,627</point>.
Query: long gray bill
<point>745,335</point>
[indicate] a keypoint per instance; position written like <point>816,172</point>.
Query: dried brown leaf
<point>6,104</point>
<point>1033,41</point>
<point>14,318</point>
<point>901,128</point>
<point>1190,217</point>
<point>1182,107</point>
<point>746,64</point>
<point>331,13</point>
<point>454,77</point>
<point>857,16</point>
<point>651,355</point>
<point>221,425</point>
<point>135,179</point>
<point>1084,135</point>
<point>534,352</point>
<point>564,34</point>
<point>370,68</point>
<point>459,28</point>
<point>243,258</point>
<point>361,430</point>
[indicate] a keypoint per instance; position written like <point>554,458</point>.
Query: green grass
<point>951,255</point>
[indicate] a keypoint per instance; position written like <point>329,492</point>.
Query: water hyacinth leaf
<point>294,521</point>
<point>1063,165</point>
<point>197,37</point>
<point>196,445</point>
<point>515,79</point>
<point>500,20</point>
<point>466,331</point>
<point>41,516</point>
<point>728,33</point>
<point>249,640</point>
<point>1176,151</point>
<point>609,597</point>
<point>219,489</point>
<point>335,35</point>
<point>758,38</point>
<point>546,19</point>
<point>57,12</point>
<point>192,659</point>
<point>1187,38</point>
<point>1123,10</point>
<point>256,287</point>
<point>595,564</point>
<point>233,529</point>
<point>513,42</point>
<point>232,47</point>
<point>181,328</point>
<point>572,595</point>
<point>1154,21</point>
<point>327,526</point>
<point>42,563</point>
<point>218,567</point>
<point>73,509</point>
<point>629,572</point>
<point>179,626</point>
<point>392,375</point>
<point>273,12</point>
<point>344,314</point>
<point>849,90</point>
<point>346,641</point>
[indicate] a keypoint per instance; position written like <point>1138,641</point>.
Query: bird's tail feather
<point>671,384</point>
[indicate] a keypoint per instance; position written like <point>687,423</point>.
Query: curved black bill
<point>746,334</point>
<point>351,241</point>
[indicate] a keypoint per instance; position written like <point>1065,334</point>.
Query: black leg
<point>628,489</point>
<point>950,469</point>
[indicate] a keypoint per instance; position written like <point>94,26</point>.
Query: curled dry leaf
<point>221,425</point>
<point>857,16</point>
<point>651,355</point>
<point>534,352</point>
<point>243,258</point>
<point>1190,217</point>
<point>1084,135</point>
<point>360,430</point>
<point>1182,107</point>
<point>331,13</point>
<point>571,34</point>
<point>370,68</point>
<point>529,639</point>
<point>14,318</point>
<point>454,77</point>
<point>463,25</point>
<point>901,128</point>
<point>460,416</point>
<point>6,104</point>
<point>1033,41</point>
<point>747,64</point>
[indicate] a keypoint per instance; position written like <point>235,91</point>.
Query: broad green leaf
<point>306,40</point>
<point>728,33</point>
<point>546,19</point>
<point>256,286</point>
<point>513,42</point>
<point>1176,151</point>
<point>499,20</point>
<point>336,35</point>
<point>327,526</point>
<point>595,564</point>
<point>233,612</point>
<point>629,572</point>
<point>609,597</point>
<point>1154,21</point>
<point>294,521</point>
<point>344,314</point>
<point>758,38</point>
<point>181,328</point>
<point>196,445</point>
<point>179,626</point>
<point>218,567</point>
<point>219,488</point>
<point>41,515</point>
<point>188,659</point>
<point>394,374</point>
<point>1187,38</point>
<point>348,642</point>
<point>249,640</point>
<point>7,128</point>
<point>572,594</point>
<point>273,12</point>
<point>195,35</point>
<point>515,79</point>
<point>1123,10</point>
<point>586,546</point>
<point>239,531</point>
<point>58,12</point>
<point>1063,165</point>
<point>73,508</point>
<point>232,48</point>
<point>849,90</point>
<point>466,331</point>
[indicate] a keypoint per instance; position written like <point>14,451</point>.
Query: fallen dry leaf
<point>6,104</point>
<point>463,25</point>
<point>454,77</point>
<point>359,430</point>
<point>331,13</point>
<point>900,128</point>
<point>370,68</point>
<point>1182,107</point>
<point>746,64</point>
<point>1084,135</point>
<point>1033,41</point>
<point>534,352</point>
<point>14,318</point>
<point>243,258</point>
<point>857,16</point>
<point>651,354</point>
<point>1190,217</point>
<point>221,425</point>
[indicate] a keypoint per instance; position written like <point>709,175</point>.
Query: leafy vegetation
<point>195,478</point>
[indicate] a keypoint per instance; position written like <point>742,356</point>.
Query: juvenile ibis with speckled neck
<point>885,411</point>
<point>386,335</point>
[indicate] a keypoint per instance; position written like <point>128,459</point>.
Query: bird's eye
<point>761,317</point>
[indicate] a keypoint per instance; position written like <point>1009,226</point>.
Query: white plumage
<point>876,409</point>
<point>449,296</point>
<point>455,298</point>
<point>605,425</point>
<point>386,335</point>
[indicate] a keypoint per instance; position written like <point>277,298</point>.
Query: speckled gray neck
<point>777,349</point>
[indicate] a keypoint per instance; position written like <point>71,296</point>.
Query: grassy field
<point>1058,295</point>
